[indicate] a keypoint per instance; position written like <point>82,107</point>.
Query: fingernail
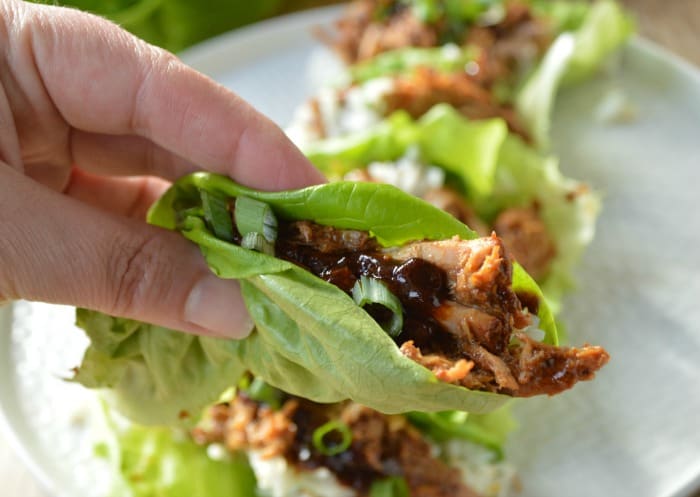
<point>217,306</point>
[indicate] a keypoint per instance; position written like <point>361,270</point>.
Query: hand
<point>92,123</point>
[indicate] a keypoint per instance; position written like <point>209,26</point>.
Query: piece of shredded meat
<point>453,203</point>
<point>381,445</point>
<point>506,47</point>
<point>362,32</point>
<point>510,46</point>
<point>245,424</point>
<point>525,234</point>
<point>462,319</point>
<point>447,370</point>
<point>425,88</point>
<point>478,271</point>
<point>521,228</point>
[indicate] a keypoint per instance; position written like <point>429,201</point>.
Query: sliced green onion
<point>183,215</point>
<point>332,427</point>
<point>257,242</point>
<point>372,291</point>
<point>427,10</point>
<point>394,486</point>
<point>217,215</point>
<point>253,216</point>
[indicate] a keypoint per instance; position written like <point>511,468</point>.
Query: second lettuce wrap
<point>492,168</point>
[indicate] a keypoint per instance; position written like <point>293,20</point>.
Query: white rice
<point>362,107</point>
<point>276,478</point>
<point>480,471</point>
<point>409,173</point>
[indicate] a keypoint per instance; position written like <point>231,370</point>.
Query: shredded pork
<point>525,234</point>
<point>506,46</point>
<point>370,27</point>
<point>382,446</point>
<point>425,88</point>
<point>463,320</point>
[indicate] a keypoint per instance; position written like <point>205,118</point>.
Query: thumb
<point>56,249</point>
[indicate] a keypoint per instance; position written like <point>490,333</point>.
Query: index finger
<point>102,79</point>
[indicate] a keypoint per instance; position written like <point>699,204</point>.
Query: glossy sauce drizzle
<point>419,285</point>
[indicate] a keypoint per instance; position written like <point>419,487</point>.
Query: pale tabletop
<point>674,24</point>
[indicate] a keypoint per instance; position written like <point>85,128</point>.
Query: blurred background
<point>177,24</point>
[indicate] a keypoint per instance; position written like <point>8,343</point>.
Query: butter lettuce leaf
<point>156,461</point>
<point>468,149</point>
<point>150,373</point>
<point>568,208</point>
<point>310,338</point>
<point>488,430</point>
<point>578,52</point>
<point>446,58</point>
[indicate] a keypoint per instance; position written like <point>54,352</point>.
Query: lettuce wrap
<point>589,37</point>
<point>310,337</point>
<point>231,452</point>
<point>487,59</point>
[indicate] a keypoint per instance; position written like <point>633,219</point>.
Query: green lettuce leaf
<point>468,149</point>
<point>447,58</point>
<point>452,11</point>
<point>160,462</point>
<point>575,55</point>
<point>148,371</point>
<point>568,208</point>
<point>489,430</point>
<point>310,339</point>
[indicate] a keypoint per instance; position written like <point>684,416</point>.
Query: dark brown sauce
<point>419,285</point>
<point>349,467</point>
<point>529,301</point>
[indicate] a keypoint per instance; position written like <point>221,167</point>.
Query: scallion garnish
<point>253,216</point>
<point>257,242</point>
<point>394,486</point>
<point>335,429</point>
<point>217,215</point>
<point>372,291</point>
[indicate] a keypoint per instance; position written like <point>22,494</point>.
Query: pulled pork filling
<point>462,319</point>
<point>506,46</point>
<point>370,27</point>
<point>420,91</point>
<point>426,88</point>
<point>521,228</point>
<point>381,446</point>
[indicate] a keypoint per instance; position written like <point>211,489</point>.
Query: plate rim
<point>7,423</point>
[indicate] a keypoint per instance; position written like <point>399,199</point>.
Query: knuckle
<point>135,271</point>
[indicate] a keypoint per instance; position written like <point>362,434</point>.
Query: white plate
<point>633,432</point>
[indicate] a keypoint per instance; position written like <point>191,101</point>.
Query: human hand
<point>92,123</point>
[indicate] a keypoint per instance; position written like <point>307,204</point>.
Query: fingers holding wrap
<point>55,249</point>
<point>103,80</point>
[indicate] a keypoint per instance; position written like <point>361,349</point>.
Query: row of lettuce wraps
<point>399,307</point>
